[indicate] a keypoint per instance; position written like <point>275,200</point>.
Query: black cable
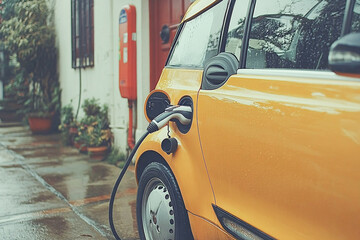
<point>117,183</point>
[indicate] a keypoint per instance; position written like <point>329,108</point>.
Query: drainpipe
<point>132,126</point>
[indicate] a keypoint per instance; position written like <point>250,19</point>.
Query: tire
<point>160,209</point>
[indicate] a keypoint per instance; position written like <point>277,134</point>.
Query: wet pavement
<point>48,191</point>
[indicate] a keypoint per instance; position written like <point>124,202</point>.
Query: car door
<point>197,41</point>
<point>281,138</point>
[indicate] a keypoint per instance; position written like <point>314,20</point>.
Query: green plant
<point>67,123</point>
<point>28,35</point>
<point>17,88</point>
<point>98,134</point>
<point>93,129</point>
<point>67,115</point>
<point>91,107</point>
<point>81,137</point>
<point>116,157</point>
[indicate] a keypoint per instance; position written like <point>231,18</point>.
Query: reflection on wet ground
<point>52,192</point>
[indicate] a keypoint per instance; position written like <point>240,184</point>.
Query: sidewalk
<point>48,191</point>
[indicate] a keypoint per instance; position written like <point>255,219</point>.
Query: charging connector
<point>181,113</point>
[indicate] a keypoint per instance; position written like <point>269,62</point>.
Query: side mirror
<point>344,55</point>
<point>218,69</point>
<point>155,104</point>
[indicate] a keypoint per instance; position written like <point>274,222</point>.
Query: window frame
<point>349,11</point>
<point>226,24</point>
<point>229,7</point>
<point>346,26</point>
<point>247,28</point>
<point>82,33</point>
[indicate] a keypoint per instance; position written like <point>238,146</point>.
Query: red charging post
<point>127,52</point>
<point>127,63</point>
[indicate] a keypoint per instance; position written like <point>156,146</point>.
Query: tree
<point>27,33</point>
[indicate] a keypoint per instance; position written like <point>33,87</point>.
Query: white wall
<point>101,81</point>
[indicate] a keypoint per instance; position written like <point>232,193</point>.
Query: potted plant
<point>91,107</point>
<point>98,139</point>
<point>81,139</point>
<point>68,126</point>
<point>94,130</point>
<point>41,112</point>
<point>29,37</point>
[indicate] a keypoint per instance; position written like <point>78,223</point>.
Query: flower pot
<point>98,153</point>
<point>40,124</point>
<point>81,146</point>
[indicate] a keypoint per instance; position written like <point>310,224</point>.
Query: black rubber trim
<point>220,213</point>
<point>152,127</point>
<point>156,104</point>
<point>349,10</point>
<point>181,27</point>
<point>166,176</point>
<point>225,27</point>
<point>248,21</point>
<point>185,101</point>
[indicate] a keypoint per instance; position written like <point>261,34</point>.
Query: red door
<point>165,15</point>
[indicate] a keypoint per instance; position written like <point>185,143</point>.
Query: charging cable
<point>181,113</point>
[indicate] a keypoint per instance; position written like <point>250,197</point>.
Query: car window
<point>294,33</point>
<point>355,26</point>
<point>199,38</point>
<point>236,28</point>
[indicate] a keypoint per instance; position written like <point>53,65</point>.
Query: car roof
<point>198,7</point>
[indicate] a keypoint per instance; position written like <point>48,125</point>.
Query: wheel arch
<point>187,167</point>
<point>146,158</point>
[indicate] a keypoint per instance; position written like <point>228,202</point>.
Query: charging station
<point>127,65</point>
<point>127,52</point>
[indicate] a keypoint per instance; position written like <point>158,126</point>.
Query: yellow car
<point>273,148</point>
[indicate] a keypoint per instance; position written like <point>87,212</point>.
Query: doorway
<point>165,15</point>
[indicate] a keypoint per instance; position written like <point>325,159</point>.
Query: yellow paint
<point>283,154</point>
<point>203,229</point>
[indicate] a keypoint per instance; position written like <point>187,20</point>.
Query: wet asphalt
<point>48,191</point>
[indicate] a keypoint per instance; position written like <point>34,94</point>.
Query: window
<point>236,28</point>
<point>199,39</point>
<point>355,27</point>
<point>82,33</point>
<point>294,33</point>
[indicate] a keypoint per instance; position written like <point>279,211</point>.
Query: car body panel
<point>278,149</point>
<point>288,157</point>
<point>187,162</point>
<point>203,229</point>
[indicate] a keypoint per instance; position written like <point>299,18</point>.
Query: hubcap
<point>157,211</point>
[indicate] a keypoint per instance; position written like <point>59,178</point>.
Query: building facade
<point>156,24</point>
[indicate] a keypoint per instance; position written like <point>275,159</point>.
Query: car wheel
<point>160,210</point>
